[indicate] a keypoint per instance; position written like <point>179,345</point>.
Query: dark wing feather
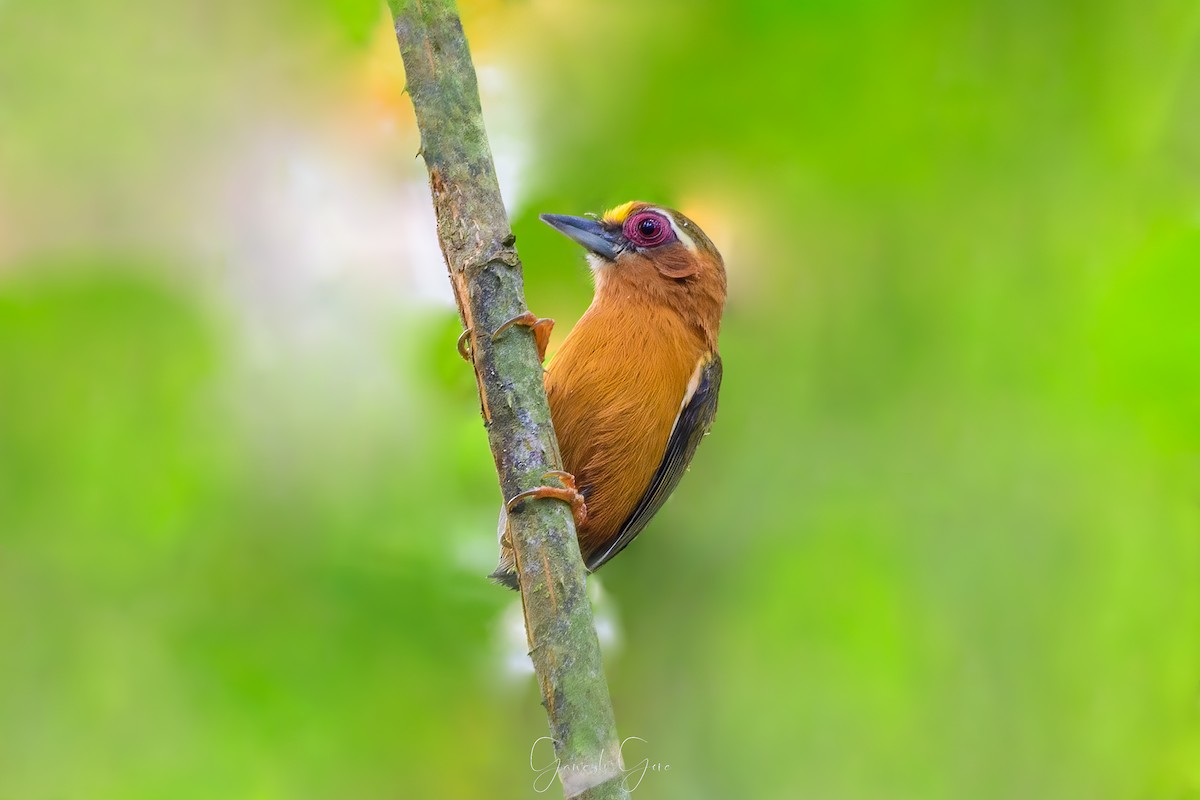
<point>693,423</point>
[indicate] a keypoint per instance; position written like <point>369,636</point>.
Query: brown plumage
<point>633,387</point>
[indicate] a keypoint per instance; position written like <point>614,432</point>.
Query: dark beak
<point>589,233</point>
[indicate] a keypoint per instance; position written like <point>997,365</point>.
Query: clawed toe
<point>541,327</point>
<point>568,493</point>
<point>463,339</point>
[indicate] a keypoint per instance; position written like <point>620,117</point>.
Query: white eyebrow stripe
<point>687,240</point>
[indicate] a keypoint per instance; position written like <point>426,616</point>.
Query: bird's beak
<point>589,233</point>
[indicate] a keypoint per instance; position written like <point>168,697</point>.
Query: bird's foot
<point>568,493</point>
<point>463,349</point>
<point>541,327</point>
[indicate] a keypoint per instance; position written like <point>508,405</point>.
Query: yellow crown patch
<point>618,214</point>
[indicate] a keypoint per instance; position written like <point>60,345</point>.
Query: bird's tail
<point>505,573</point>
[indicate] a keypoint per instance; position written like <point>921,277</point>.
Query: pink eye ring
<point>648,229</point>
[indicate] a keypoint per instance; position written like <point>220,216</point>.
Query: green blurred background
<point>944,541</point>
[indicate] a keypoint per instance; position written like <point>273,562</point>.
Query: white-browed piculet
<point>633,388</point>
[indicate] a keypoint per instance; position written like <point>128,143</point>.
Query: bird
<point>633,387</point>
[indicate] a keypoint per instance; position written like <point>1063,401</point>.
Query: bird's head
<point>653,253</point>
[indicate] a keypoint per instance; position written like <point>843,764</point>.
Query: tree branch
<point>478,246</point>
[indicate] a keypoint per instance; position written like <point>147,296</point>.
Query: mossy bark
<point>485,272</point>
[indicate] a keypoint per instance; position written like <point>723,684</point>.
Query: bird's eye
<point>648,229</point>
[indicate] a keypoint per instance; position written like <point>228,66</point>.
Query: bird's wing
<point>695,418</point>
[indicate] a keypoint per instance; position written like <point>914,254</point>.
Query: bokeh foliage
<point>943,542</point>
